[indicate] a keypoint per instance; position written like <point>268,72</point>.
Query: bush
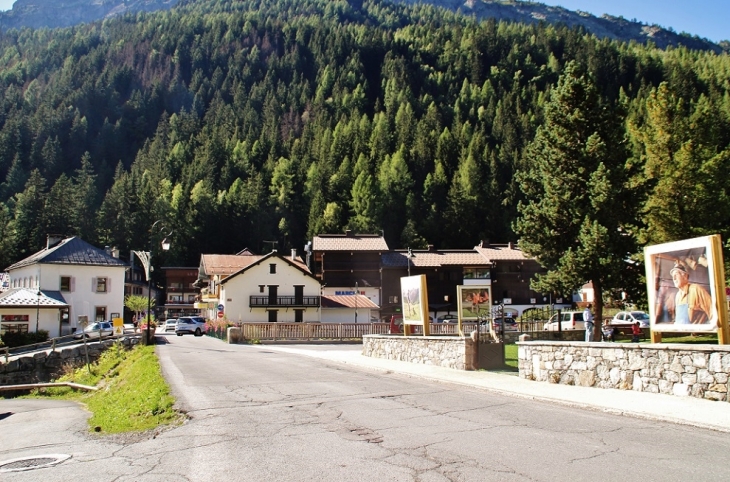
<point>12,339</point>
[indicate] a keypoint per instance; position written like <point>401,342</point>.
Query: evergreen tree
<point>578,202</point>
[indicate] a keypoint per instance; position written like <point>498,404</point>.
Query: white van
<point>569,320</point>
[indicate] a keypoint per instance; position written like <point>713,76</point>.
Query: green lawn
<point>134,395</point>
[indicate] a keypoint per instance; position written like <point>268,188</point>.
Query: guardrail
<point>50,344</point>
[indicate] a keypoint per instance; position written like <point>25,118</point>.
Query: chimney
<point>348,233</point>
<point>484,243</point>
<point>510,245</point>
<point>293,254</point>
<point>52,240</point>
<point>115,253</point>
<point>431,248</point>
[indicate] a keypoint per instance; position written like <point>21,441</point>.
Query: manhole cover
<point>31,463</point>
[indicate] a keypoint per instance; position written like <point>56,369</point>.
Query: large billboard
<point>686,285</point>
<point>474,301</point>
<point>414,300</point>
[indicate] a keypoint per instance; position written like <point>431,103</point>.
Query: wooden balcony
<point>284,302</point>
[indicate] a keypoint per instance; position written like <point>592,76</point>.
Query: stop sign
<point>220,314</point>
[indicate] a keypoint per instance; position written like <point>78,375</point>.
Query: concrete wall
<point>443,351</point>
<point>47,365</point>
<point>700,371</point>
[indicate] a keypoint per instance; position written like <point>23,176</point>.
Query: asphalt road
<point>261,415</point>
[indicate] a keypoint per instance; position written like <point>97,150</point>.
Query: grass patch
<point>510,356</point>
<point>132,396</point>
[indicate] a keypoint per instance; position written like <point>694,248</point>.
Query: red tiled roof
<point>506,253</point>
<point>347,301</point>
<point>434,259</point>
<point>349,242</point>
<point>225,264</point>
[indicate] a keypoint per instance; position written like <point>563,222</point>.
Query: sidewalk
<point>649,406</point>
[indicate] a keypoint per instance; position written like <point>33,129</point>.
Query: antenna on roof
<point>273,244</point>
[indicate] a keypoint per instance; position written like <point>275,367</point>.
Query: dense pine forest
<point>244,121</point>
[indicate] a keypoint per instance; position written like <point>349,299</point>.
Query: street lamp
<point>356,301</point>
<point>146,258</point>
<point>38,310</point>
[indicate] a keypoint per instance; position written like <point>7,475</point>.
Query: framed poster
<point>474,301</point>
<point>686,285</point>
<point>414,301</point>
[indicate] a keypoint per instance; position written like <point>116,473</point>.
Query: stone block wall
<point>700,371</point>
<point>444,351</point>
<point>47,365</point>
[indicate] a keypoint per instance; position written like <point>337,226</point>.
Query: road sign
<point>220,314</point>
<point>220,307</point>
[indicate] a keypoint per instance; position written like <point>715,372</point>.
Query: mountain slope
<point>55,13</point>
<point>606,26</point>
<point>65,13</point>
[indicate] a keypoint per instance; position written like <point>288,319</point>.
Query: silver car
<point>631,317</point>
<point>97,329</point>
<point>170,324</point>
<point>194,325</point>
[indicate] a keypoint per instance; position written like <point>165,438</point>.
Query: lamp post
<point>409,256</point>
<point>38,310</point>
<point>356,302</point>
<point>146,258</point>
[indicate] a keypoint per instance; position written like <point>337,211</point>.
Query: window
<point>191,298</point>
<point>272,268</point>
<point>100,313</point>
<point>65,283</point>
<point>261,288</point>
<point>175,298</point>
<point>101,286</point>
<point>476,273</point>
<point>298,316</point>
<point>392,299</point>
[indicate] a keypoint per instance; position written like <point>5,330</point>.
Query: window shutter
<point>71,283</point>
<point>108,285</point>
<point>93,285</point>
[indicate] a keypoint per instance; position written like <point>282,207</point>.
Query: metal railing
<point>332,331</point>
<point>284,301</point>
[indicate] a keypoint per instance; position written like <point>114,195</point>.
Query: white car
<point>631,317</point>
<point>569,320</point>
<point>190,324</point>
<point>170,324</point>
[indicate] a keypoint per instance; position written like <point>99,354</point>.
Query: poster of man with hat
<point>684,279</point>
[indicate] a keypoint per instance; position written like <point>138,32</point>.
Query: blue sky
<point>705,18</point>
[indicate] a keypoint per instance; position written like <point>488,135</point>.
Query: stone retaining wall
<point>700,371</point>
<point>47,365</point>
<point>444,351</point>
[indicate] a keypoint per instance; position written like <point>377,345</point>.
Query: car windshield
<point>640,315</point>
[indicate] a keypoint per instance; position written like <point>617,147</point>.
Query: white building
<point>273,288</point>
<point>66,280</point>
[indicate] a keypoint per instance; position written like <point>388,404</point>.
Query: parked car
<point>170,324</point>
<point>509,325</point>
<point>194,325</point>
<point>569,320</point>
<point>631,317</point>
<point>450,318</point>
<point>98,329</point>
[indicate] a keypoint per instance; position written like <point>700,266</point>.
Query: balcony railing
<point>284,301</point>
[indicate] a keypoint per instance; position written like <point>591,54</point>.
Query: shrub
<point>12,339</point>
